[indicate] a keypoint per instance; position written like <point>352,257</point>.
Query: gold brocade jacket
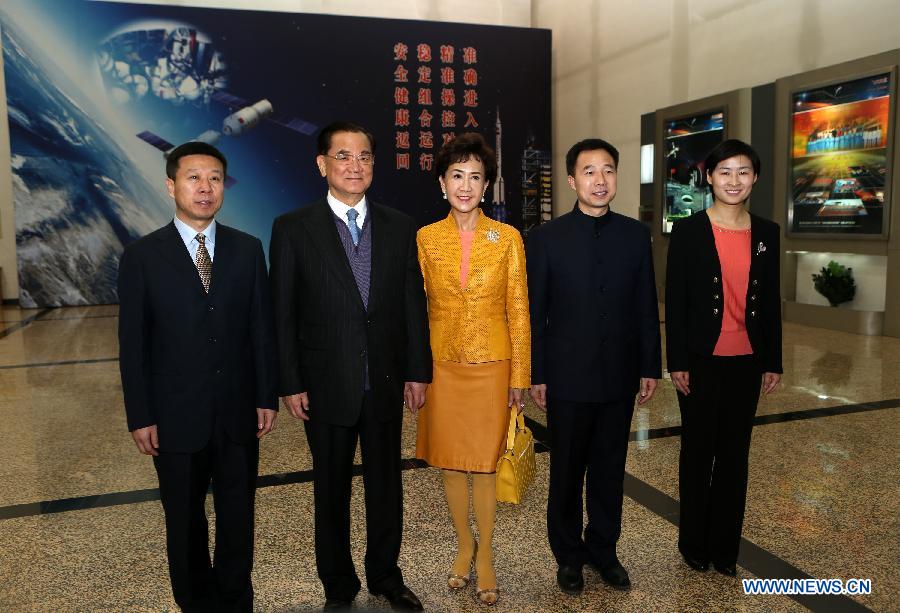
<point>488,319</point>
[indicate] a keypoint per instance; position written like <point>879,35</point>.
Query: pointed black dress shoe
<point>402,599</point>
<point>695,563</point>
<point>726,569</point>
<point>570,579</point>
<point>337,604</point>
<point>614,575</point>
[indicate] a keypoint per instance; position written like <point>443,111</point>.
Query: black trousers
<point>716,426</point>
<point>587,438</point>
<point>184,479</point>
<point>333,448</point>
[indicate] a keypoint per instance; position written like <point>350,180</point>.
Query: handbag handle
<point>516,422</point>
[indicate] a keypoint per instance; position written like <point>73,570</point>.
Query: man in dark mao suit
<point>353,344</point>
<point>197,358</point>
<point>595,345</point>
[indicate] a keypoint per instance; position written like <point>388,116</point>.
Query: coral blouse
<point>465,241</point>
<point>733,247</point>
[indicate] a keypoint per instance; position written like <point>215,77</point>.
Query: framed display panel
<point>840,155</point>
<point>686,141</point>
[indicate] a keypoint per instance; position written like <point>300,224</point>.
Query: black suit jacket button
<point>210,308</point>
<point>212,339</point>
<point>603,315</point>
<point>362,353</point>
<point>715,311</point>
<point>218,371</point>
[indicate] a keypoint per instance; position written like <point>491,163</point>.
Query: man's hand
<point>770,382</point>
<point>539,395</point>
<point>414,395</point>
<point>298,405</point>
<point>146,441</point>
<point>648,386</point>
<point>517,398</point>
<point>265,421</point>
<point>682,381</point>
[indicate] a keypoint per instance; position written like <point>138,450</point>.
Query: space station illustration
<point>244,117</point>
<point>180,65</point>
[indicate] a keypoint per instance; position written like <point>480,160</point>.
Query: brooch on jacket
<point>760,248</point>
<point>493,235</point>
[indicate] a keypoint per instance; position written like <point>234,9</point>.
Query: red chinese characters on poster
<point>439,76</point>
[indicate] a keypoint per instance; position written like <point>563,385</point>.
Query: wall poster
<point>93,107</point>
<point>840,158</point>
<point>687,141</point>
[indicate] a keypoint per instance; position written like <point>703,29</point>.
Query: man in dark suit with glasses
<point>353,343</point>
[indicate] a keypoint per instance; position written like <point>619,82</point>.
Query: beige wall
<point>491,12</point>
<point>614,60</point>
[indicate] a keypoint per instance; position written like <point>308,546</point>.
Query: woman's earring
<point>445,195</point>
<point>482,196</point>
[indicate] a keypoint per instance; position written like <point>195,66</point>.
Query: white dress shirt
<point>189,236</point>
<point>340,209</point>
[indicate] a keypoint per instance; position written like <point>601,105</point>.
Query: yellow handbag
<point>515,468</point>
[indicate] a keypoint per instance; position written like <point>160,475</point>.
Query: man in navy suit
<point>199,374</point>
<point>595,345</point>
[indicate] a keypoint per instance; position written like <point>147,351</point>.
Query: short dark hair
<point>194,147</point>
<point>464,147</point>
<point>729,149</point>
<point>325,134</point>
<point>589,144</point>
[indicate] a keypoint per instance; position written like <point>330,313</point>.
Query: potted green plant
<point>836,283</point>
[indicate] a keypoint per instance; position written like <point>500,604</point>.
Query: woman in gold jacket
<point>474,269</point>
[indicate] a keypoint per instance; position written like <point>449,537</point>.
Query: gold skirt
<point>463,424</point>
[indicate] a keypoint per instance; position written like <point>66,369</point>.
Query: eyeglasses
<point>366,159</point>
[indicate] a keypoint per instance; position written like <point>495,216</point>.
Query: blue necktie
<point>352,214</point>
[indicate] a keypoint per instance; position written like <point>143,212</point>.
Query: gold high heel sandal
<point>488,596</point>
<point>458,582</point>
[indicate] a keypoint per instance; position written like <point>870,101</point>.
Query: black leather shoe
<point>726,569</point>
<point>614,575</point>
<point>695,563</point>
<point>337,604</point>
<point>570,579</point>
<point>402,599</point>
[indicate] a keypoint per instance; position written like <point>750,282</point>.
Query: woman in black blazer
<point>723,340</point>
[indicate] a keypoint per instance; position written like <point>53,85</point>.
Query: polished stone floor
<point>81,525</point>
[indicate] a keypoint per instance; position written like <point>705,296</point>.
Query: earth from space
<point>78,198</point>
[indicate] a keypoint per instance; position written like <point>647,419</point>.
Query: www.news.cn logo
<point>787,587</point>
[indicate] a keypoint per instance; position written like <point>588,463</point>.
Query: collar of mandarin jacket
<point>594,223</point>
